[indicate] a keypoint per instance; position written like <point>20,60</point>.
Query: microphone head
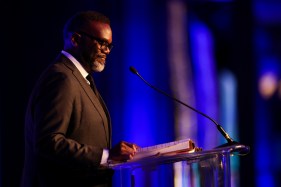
<point>133,70</point>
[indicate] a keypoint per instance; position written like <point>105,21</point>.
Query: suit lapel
<point>98,103</point>
<point>108,116</point>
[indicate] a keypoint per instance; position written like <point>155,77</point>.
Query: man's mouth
<point>103,58</point>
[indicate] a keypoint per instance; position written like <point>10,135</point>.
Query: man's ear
<point>75,39</point>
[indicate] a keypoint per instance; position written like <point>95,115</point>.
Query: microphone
<point>230,141</point>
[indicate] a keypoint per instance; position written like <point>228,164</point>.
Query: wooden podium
<point>208,168</point>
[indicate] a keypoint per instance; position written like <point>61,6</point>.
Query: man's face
<point>95,46</point>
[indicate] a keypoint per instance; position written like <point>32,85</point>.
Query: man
<point>68,129</point>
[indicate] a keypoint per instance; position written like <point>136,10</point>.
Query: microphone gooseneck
<point>230,141</point>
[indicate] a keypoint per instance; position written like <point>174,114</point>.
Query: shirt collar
<point>76,63</point>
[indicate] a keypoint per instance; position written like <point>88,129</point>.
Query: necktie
<point>94,88</point>
<point>92,84</point>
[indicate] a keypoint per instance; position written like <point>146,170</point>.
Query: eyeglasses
<point>104,44</point>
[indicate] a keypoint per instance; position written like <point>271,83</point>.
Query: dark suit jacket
<point>67,128</point>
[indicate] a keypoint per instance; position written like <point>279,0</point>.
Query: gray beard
<point>98,67</point>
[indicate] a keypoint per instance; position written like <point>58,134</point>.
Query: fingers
<point>123,151</point>
<point>128,149</point>
<point>134,147</point>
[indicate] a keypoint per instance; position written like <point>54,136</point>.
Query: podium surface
<point>210,168</point>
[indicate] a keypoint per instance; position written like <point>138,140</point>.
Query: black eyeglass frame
<point>100,41</point>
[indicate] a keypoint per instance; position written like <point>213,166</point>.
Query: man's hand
<point>123,151</point>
